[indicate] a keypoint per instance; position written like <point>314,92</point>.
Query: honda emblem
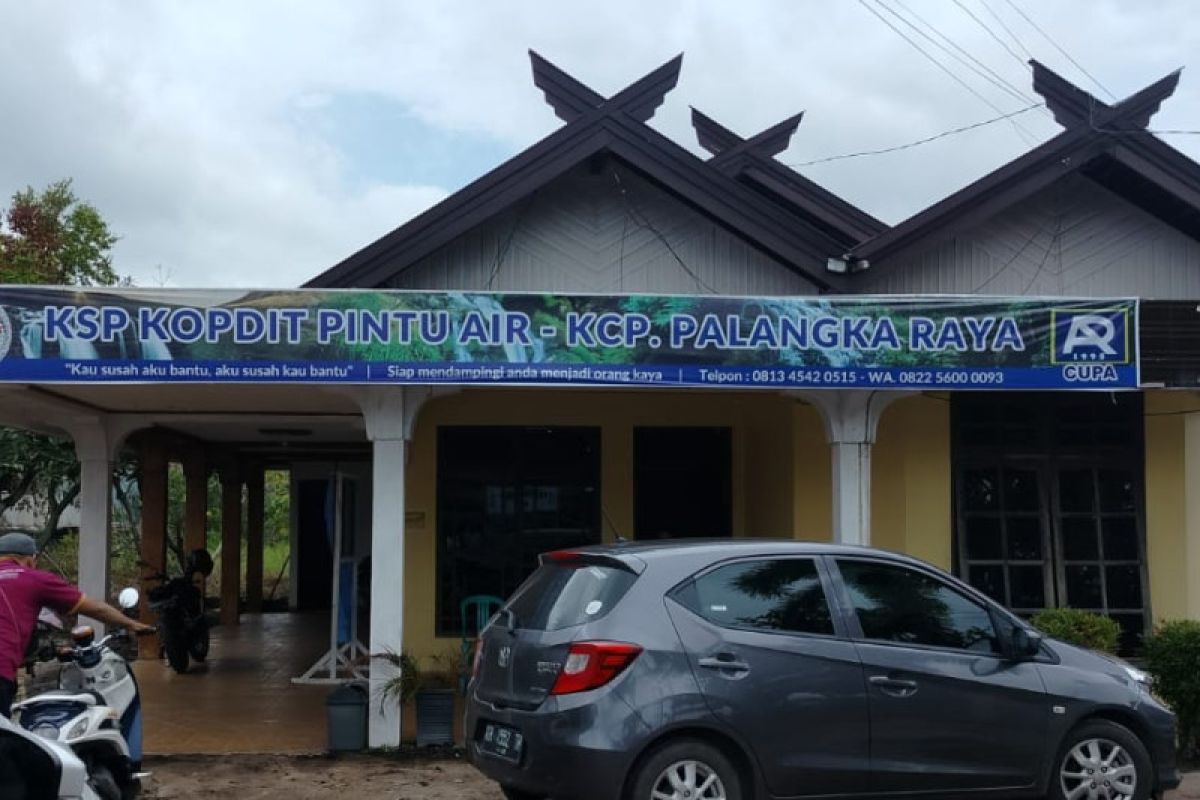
<point>503,655</point>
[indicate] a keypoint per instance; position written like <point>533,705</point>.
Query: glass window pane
<point>1117,490</point>
<point>1124,585</point>
<point>1079,539</point>
<point>980,489</point>
<point>1076,491</point>
<point>1120,539</point>
<point>1021,490</point>
<point>1024,538</point>
<point>898,604</point>
<point>778,595</point>
<point>1028,587</point>
<point>989,579</point>
<point>984,542</point>
<point>1083,587</point>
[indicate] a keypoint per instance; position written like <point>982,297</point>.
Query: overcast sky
<point>257,143</point>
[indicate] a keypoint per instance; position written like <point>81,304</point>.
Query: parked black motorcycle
<point>183,627</point>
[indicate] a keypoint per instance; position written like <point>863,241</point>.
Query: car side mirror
<point>128,598</point>
<point>1026,643</point>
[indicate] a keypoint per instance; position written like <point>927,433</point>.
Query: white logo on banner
<point>6,332</point>
<point>1090,330</point>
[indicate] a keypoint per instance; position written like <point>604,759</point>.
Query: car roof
<point>649,550</point>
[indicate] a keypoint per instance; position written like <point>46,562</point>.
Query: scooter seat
<point>87,698</point>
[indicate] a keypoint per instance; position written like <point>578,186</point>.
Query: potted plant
<point>403,686</point>
<point>435,700</point>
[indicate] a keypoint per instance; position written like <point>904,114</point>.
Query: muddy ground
<point>322,778</point>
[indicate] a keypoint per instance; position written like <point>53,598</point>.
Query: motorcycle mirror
<point>129,598</point>
<point>48,617</point>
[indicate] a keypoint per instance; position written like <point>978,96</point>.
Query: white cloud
<point>177,121</point>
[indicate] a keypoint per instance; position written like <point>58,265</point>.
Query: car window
<point>897,604</point>
<point>561,596</point>
<point>782,595</point>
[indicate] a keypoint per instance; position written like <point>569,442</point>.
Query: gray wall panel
<point>590,233</point>
<point>1074,238</point>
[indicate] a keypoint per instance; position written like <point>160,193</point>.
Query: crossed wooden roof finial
<point>571,99</point>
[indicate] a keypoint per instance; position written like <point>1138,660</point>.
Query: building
<point>452,483</point>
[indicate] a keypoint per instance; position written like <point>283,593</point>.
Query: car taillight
<point>590,665</point>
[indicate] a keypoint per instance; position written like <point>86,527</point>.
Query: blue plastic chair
<point>476,608</point>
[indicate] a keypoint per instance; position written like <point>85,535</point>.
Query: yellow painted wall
<point>911,479</point>
<point>1170,556</point>
<point>769,438</point>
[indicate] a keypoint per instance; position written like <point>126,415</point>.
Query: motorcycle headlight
<point>46,730</point>
<point>77,730</point>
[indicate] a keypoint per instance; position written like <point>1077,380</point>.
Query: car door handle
<point>726,662</point>
<point>895,687</point>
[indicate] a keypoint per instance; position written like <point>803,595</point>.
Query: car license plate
<point>502,742</point>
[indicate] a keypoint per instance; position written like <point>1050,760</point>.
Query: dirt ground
<point>321,778</point>
<point>314,778</point>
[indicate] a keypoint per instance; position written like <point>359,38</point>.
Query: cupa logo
<point>6,332</point>
<point>1092,335</point>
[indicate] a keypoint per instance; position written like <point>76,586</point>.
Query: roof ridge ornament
<point>724,143</point>
<point>571,99</point>
<point>1074,107</point>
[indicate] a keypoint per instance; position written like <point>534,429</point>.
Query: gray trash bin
<point>346,708</point>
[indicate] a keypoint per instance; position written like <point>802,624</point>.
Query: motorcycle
<point>180,608</point>
<point>96,710</point>
<point>35,768</point>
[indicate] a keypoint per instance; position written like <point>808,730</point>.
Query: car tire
<point>102,782</point>
<point>696,764</point>
<point>1106,753</point>
<point>517,794</point>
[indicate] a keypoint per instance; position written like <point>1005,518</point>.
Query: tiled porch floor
<point>242,700</point>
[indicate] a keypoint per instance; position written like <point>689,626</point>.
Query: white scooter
<point>33,768</point>
<point>96,711</point>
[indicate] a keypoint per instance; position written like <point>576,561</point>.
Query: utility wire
<point>1012,34</point>
<point>1060,49</point>
<point>926,140</point>
<point>1004,268</point>
<point>962,56</point>
<point>939,64</point>
<point>644,222</point>
<point>502,250</point>
<point>991,33</point>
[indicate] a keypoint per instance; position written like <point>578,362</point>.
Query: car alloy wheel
<point>1098,769</point>
<point>688,780</point>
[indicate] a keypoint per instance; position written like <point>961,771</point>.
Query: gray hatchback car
<point>755,669</point>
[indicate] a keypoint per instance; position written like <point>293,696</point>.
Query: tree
<point>50,237</point>
<point>53,238</point>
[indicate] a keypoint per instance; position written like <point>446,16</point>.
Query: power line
<point>937,63</point>
<point>644,222</point>
<point>502,250</point>
<point>926,140</point>
<point>978,67</point>
<point>1012,34</point>
<point>1004,268</point>
<point>1060,49</point>
<point>991,33</point>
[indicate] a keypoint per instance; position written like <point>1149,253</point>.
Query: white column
<point>95,506</point>
<point>851,418</point>
<point>96,441</point>
<point>387,582</point>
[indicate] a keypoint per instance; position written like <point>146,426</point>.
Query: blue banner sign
<point>127,335</point>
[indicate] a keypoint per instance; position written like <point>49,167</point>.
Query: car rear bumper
<point>569,753</point>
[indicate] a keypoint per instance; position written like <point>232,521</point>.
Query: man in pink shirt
<point>24,591</point>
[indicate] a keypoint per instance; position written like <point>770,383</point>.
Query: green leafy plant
<point>445,670</point>
<point>404,685</point>
<point>1172,657</point>
<point>1083,628</point>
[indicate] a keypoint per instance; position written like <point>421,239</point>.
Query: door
<point>682,482</point>
<point>775,666</point>
<point>948,711</point>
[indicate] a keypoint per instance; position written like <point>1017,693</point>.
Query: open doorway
<point>682,482</point>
